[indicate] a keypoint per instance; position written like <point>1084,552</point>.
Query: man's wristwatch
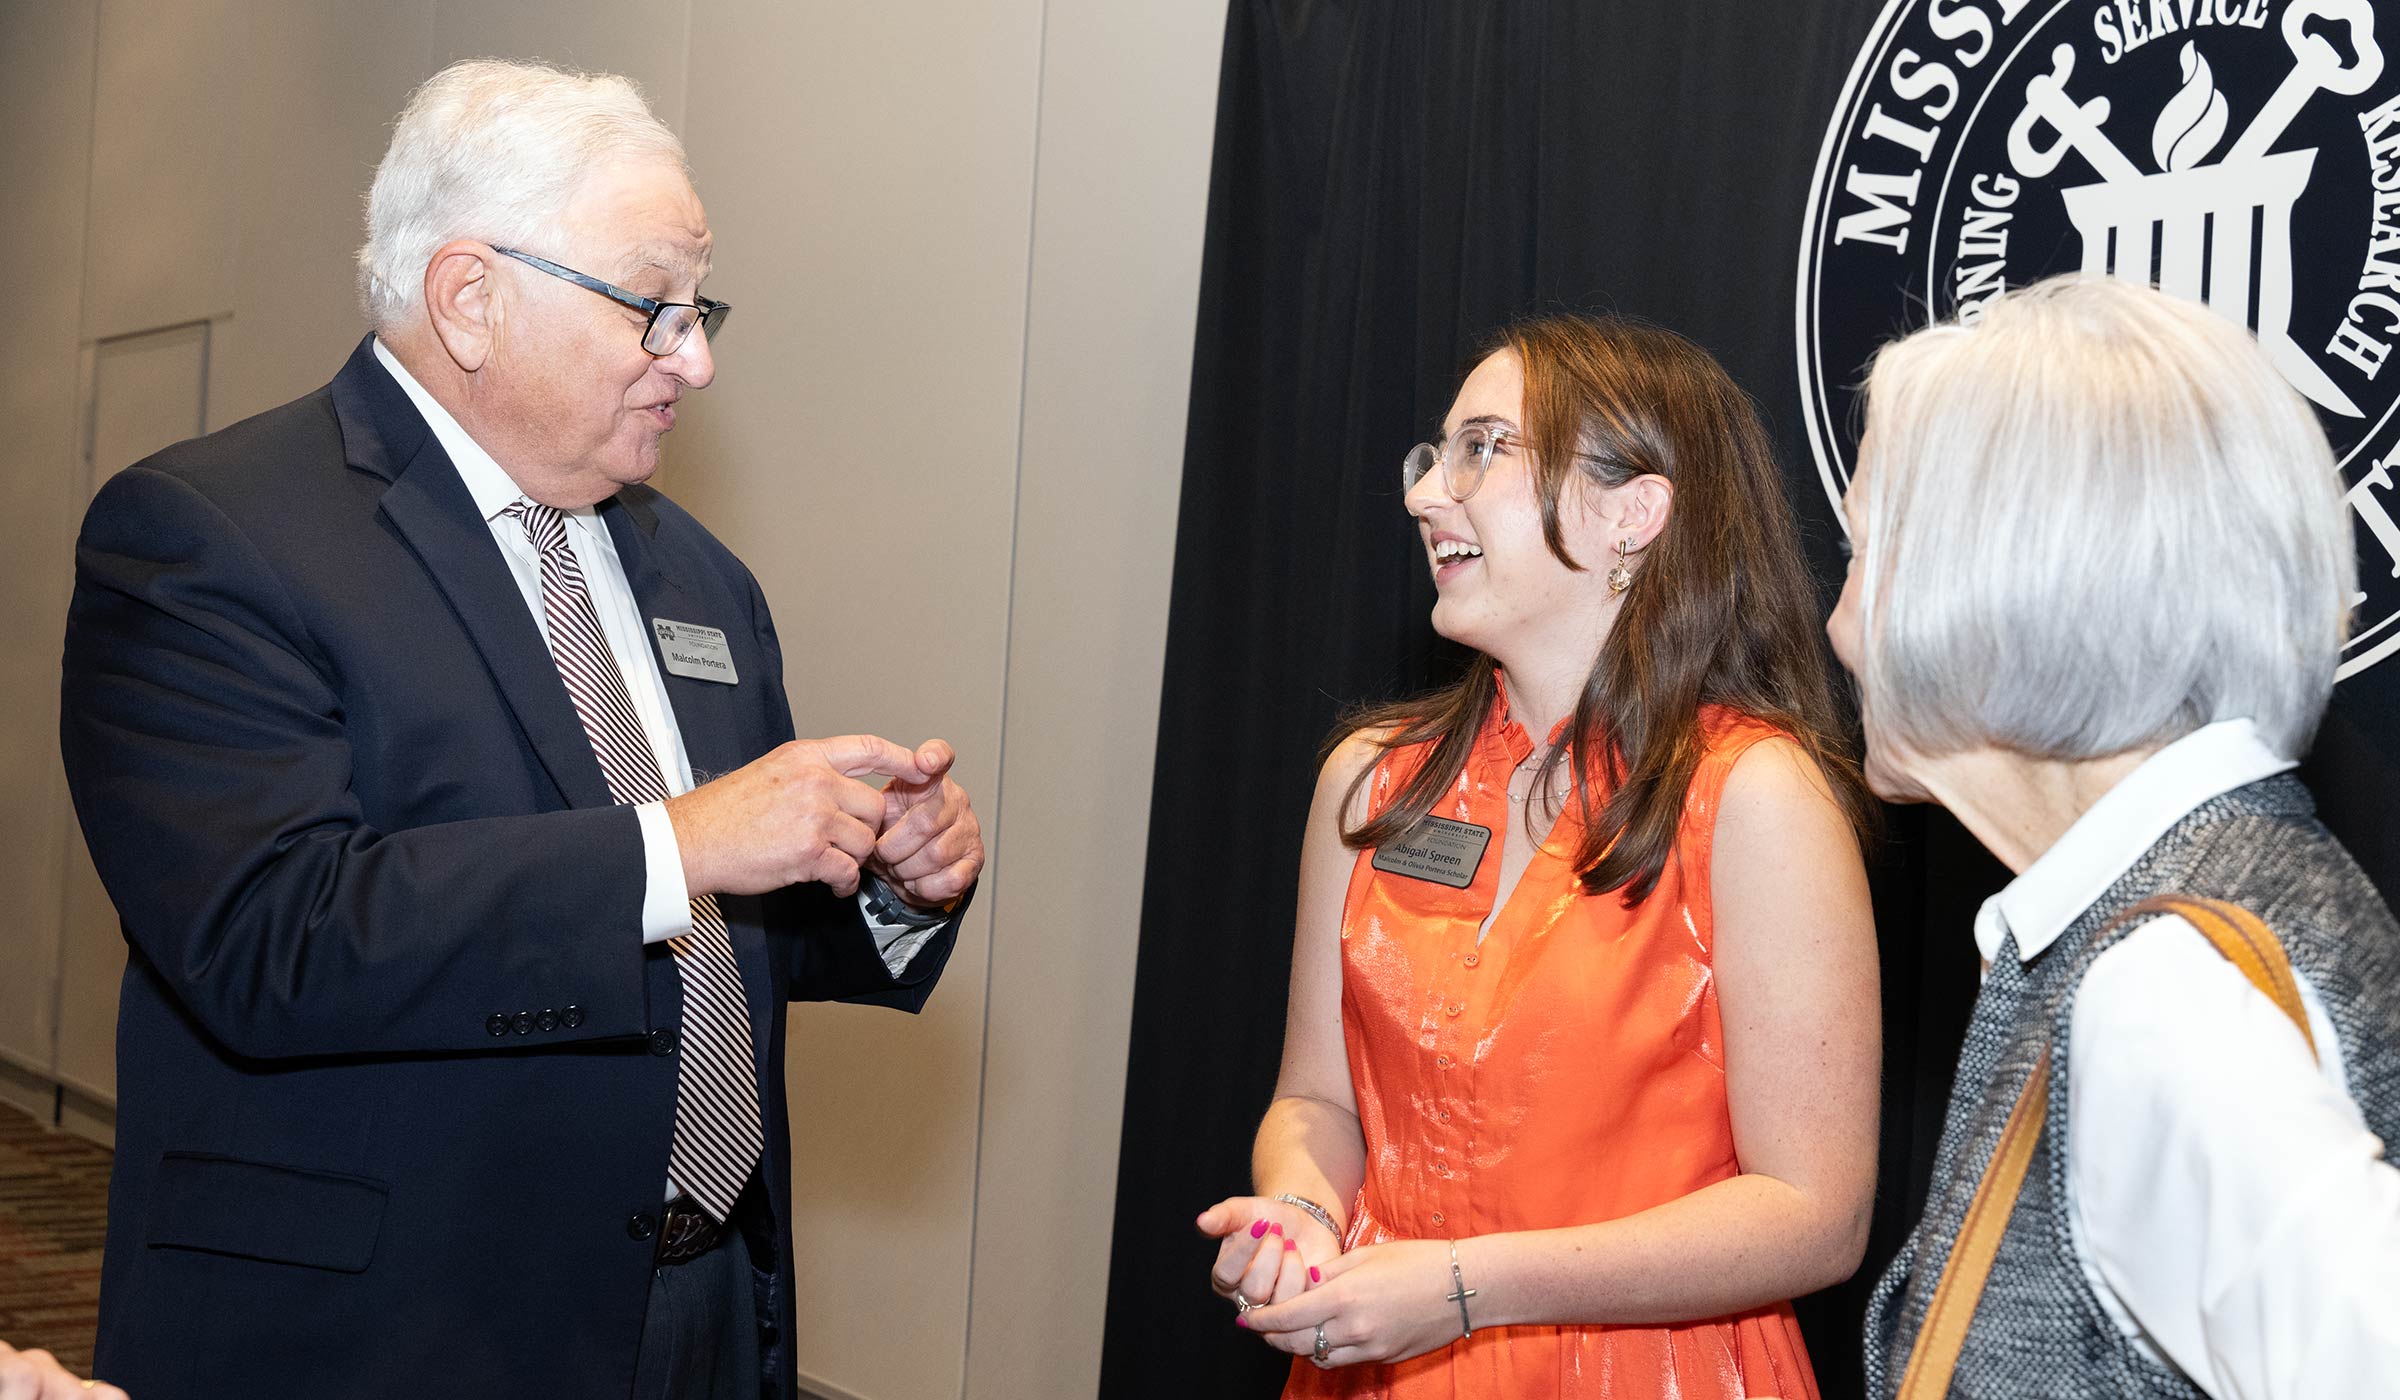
<point>885,905</point>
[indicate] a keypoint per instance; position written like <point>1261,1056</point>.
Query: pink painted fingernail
<point>1278,1229</point>
<point>1240,1321</point>
<point>1314,1276</point>
<point>1291,1244</point>
<point>1259,1230</point>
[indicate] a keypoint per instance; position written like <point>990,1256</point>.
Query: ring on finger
<point>1323,1350</point>
<point>1240,1303</point>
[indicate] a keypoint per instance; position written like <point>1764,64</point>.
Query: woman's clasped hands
<point>1271,1251</point>
<point>1301,1294</point>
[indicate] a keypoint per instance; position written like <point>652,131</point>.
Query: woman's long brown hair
<point>1721,611</point>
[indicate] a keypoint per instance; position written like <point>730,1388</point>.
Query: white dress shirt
<point>2225,1196</point>
<point>666,899</point>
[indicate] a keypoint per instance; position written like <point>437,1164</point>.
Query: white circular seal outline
<point>2244,154</point>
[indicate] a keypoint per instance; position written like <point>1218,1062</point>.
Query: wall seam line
<point>79,496</point>
<point>1008,627</point>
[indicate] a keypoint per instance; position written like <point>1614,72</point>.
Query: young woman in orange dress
<point>1579,1079</point>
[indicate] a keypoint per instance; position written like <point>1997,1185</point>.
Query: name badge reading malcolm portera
<point>1438,849</point>
<point>689,649</point>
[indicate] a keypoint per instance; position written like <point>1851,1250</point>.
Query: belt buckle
<point>684,1233</point>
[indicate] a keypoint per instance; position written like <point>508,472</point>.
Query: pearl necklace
<point>1560,785</point>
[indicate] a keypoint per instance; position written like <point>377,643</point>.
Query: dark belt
<point>685,1232</point>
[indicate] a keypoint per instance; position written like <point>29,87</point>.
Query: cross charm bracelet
<point>1466,1327</point>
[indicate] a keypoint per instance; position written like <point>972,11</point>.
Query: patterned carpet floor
<point>53,1211</point>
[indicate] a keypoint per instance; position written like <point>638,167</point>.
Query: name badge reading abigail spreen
<point>689,649</point>
<point>1437,849</point>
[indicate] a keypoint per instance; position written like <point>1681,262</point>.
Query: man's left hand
<point>931,848</point>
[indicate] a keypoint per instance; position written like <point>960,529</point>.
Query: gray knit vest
<point>2040,1330</point>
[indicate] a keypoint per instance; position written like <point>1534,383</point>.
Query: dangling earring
<point>1620,578</point>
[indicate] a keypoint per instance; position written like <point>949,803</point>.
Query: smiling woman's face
<point>1499,588</point>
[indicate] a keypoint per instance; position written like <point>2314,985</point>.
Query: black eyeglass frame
<point>710,318</point>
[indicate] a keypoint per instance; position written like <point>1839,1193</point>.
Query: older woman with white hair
<point>2099,589</point>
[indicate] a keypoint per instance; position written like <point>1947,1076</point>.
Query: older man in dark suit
<point>451,1045</point>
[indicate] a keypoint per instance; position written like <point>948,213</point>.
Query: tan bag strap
<point>1944,1334</point>
<point>2248,944</point>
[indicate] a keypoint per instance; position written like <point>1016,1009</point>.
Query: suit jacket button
<point>496,1023</point>
<point>548,1020</point>
<point>523,1021</point>
<point>571,1017</point>
<point>642,1227</point>
<point>662,1042</point>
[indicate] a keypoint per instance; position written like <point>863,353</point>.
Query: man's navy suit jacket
<point>396,1073</point>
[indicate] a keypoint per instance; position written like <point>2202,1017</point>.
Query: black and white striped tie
<point>718,1131</point>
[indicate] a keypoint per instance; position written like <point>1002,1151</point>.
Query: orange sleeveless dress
<point>1567,1070</point>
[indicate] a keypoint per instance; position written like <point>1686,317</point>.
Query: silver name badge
<point>1438,849</point>
<point>689,649</point>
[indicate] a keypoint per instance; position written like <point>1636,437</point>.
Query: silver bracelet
<point>1316,1212</point>
<point>1466,1327</point>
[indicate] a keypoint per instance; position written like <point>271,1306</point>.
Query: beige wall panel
<point>645,40</point>
<point>91,972</point>
<point>165,129</point>
<point>869,172</point>
<point>322,83</point>
<point>46,63</point>
<point>1128,108</point>
<point>145,392</point>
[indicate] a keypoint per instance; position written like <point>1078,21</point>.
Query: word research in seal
<point>2244,154</point>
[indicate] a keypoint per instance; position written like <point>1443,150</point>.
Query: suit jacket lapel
<point>708,715</point>
<point>430,507</point>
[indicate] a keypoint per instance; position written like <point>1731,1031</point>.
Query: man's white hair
<point>495,151</point>
<point>2094,521</point>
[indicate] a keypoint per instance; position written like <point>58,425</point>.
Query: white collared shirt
<point>2225,1196</point>
<point>666,899</point>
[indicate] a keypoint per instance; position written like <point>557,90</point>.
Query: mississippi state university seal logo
<point>2242,153</point>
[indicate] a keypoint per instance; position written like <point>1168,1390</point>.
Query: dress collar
<point>2126,822</point>
<point>1504,726</point>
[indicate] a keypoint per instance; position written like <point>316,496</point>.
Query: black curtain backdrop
<point>1394,180</point>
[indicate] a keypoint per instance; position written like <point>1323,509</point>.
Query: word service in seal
<point>2242,153</point>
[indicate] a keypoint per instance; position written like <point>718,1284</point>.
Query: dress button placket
<point>1454,1010</point>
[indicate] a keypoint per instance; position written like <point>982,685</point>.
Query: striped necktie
<point>718,1133</point>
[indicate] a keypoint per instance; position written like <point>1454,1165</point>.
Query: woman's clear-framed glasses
<point>1464,459</point>
<point>671,322</point>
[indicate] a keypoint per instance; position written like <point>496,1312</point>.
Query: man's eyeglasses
<point>671,322</point>
<point>1463,459</point>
